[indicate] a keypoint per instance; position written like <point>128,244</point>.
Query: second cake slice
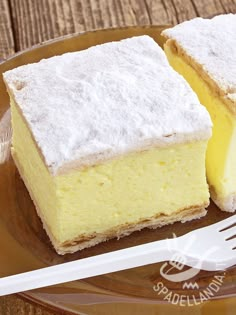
<point>108,141</point>
<point>204,52</point>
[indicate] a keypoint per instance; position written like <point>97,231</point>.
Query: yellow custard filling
<point>221,151</point>
<point>122,191</point>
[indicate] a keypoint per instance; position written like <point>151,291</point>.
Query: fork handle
<point>88,267</point>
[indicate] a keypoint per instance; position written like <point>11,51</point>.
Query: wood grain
<point>24,23</point>
<point>210,8</point>
<point>6,34</point>
<point>36,21</point>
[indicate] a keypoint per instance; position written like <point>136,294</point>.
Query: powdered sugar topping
<point>106,101</point>
<point>212,44</point>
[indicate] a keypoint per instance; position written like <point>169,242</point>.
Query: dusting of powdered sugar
<point>212,44</point>
<point>106,101</point>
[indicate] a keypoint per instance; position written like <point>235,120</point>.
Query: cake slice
<point>204,52</point>
<point>108,140</point>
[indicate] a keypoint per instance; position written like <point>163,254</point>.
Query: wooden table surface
<point>24,23</point>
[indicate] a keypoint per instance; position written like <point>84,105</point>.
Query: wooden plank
<point>210,8</point>
<point>6,34</point>
<point>176,11</point>
<point>36,21</point>
<point>229,6</point>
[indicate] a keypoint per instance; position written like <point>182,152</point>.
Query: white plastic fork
<point>211,249</point>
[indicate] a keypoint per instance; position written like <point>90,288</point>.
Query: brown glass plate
<point>25,246</point>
